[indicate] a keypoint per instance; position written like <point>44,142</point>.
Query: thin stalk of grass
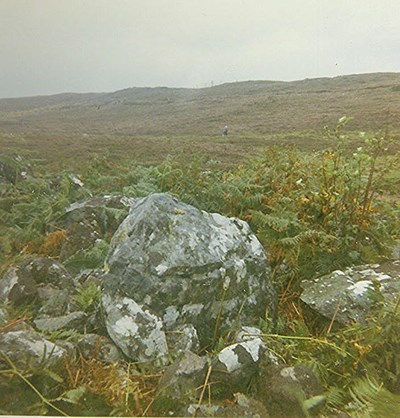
<point>205,385</point>
<point>302,338</point>
<point>16,372</point>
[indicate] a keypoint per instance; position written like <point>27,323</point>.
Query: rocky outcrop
<point>31,278</point>
<point>185,266</point>
<point>28,348</point>
<point>90,220</point>
<point>351,295</point>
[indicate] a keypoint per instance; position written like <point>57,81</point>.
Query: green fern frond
<point>371,400</point>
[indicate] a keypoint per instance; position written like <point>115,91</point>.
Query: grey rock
<point>45,270</point>
<point>242,406</point>
<point>136,331</point>
<point>190,267</point>
<point>236,367</point>
<point>3,317</point>
<point>183,338</point>
<point>21,283</point>
<point>28,348</point>
<point>74,320</point>
<point>285,391</point>
<point>90,220</point>
<point>16,288</point>
<point>55,302</point>
<point>98,346</point>
<point>350,295</point>
<point>179,385</point>
<point>89,277</point>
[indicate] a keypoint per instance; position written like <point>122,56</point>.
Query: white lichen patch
<point>229,358</point>
<point>226,283</point>
<point>382,277</point>
<point>289,372</point>
<point>133,307</point>
<point>194,309</point>
<point>255,246</point>
<point>156,343</point>
<point>241,270</point>
<point>161,269</point>
<point>248,333</point>
<point>170,316</point>
<point>338,273</point>
<point>361,287</point>
<point>125,326</point>
<point>253,348</point>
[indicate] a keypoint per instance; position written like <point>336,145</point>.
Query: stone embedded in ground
<point>241,406</point>
<point>28,348</point>
<point>16,288</point>
<point>90,220</point>
<point>136,331</point>
<point>285,391</point>
<point>180,385</point>
<point>72,321</point>
<point>55,302</point>
<point>22,282</point>
<point>350,295</point>
<point>98,346</point>
<point>45,270</point>
<point>236,366</point>
<point>181,339</point>
<point>190,267</point>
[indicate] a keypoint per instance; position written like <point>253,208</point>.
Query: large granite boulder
<point>350,295</point>
<point>187,266</point>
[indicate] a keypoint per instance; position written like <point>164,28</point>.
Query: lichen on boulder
<point>187,266</point>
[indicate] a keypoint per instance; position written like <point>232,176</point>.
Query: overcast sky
<point>52,46</point>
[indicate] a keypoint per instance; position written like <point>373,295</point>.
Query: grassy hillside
<point>149,123</point>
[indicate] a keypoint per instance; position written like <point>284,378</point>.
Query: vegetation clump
<point>313,212</point>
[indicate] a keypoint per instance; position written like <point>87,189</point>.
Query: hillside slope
<point>257,107</point>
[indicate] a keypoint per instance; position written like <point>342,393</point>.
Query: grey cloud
<point>50,46</point>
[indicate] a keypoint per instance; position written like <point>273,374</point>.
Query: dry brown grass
<point>121,387</point>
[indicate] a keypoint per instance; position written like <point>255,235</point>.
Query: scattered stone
<point>350,295</point>
<point>136,331</point>
<point>236,367</point>
<point>90,220</point>
<point>47,271</point>
<point>287,391</point>
<point>98,346</point>
<point>183,338</point>
<point>74,320</point>
<point>28,348</point>
<point>241,406</point>
<point>190,267</point>
<point>89,277</point>
<point>55,302</point>
<point>3,317</point>
<point>16,287</point>
<point>180,385</point>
